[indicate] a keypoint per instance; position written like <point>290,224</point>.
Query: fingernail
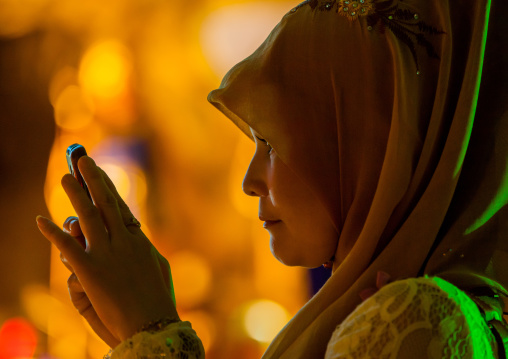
<point>73,226</point>
<point>68,224</point>
<point>41,221</point>
<point>367,293</point>
<point>88,158</point>
<point>382,279</point>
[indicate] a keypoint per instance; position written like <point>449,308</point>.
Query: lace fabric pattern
<point>414,318</point>
<point>176,341</point>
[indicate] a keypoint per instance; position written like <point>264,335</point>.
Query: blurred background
<point>128,79</point>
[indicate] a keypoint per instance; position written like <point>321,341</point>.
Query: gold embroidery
<point>405,24</point>
<point>352,9</point>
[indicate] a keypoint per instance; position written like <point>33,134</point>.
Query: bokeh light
<point>129,80</point>
<point>230,33</point>
<point>192,278</point>
<point>71,345</point>
<point>73,109</point>
<point>95,346</point>
<point>39,305</point>
<point>203,324</point>
<point>64,77</point>
<point>264,319</point>
<point>18,339</point>
<point>59,204</point>
<point>126,174</point>
<point>20,17</point>
<point>119,176</point>
<point>246,205</point>
<point>105,69</point>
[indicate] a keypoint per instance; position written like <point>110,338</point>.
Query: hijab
<point>394,113</point>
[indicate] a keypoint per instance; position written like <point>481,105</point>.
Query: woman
<point>376,150</point>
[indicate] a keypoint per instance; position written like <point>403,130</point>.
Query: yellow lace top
<point>412,318</point>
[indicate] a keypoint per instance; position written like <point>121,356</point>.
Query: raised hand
<point>127,282</point>
<point>78,295</point>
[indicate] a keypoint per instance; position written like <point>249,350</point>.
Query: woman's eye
<point>266,144</point>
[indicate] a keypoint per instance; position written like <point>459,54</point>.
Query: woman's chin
<point>293,259</point>
<point>297,263</point>
<point>287,262</point>
<point>285,258</point>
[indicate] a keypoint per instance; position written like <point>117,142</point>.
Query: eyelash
<point>266,143</point>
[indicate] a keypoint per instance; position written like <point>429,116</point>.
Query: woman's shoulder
<point>424,316</point>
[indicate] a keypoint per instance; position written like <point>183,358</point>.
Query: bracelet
<point>157,325</point>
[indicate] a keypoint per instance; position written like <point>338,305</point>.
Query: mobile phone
<point>74,153</point>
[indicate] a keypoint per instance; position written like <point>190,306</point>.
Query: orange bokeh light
<point>18,339</point>
<point>105,69</point>
<point>140,73</point>
<point>73,109</point>
<point>264,319</point>
<point>192,276</point>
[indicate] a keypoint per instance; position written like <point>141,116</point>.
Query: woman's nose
<point>254,182</point>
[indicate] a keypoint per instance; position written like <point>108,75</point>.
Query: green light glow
<point>479,329</point>
<point>476,92</point>
<point>499,201</point>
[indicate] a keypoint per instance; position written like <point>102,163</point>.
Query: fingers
<point>103,198</point>
<point>124,208</point>
<point>82,303</point>
<point>66,263</point>
<point>91,222</point>
<point>64,242</point>
<point>74,286</point>
<point>72,227</point>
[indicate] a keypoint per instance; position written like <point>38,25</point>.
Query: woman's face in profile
<point>301,231</point>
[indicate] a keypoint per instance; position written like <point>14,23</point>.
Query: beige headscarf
<point>412,168</point>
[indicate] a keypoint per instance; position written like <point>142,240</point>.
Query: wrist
<point>151,323</point>
<point>158,325</point>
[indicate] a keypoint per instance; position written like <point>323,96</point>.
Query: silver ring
<point>133,222</point>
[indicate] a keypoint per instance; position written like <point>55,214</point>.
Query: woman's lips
<point>270,223</point>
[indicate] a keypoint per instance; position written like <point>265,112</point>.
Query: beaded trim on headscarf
<point>403,23</point>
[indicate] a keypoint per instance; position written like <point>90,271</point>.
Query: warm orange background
<point>128,79</point>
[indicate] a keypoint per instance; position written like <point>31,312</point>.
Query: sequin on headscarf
<point>403,23</point>
<point>352,9</point>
